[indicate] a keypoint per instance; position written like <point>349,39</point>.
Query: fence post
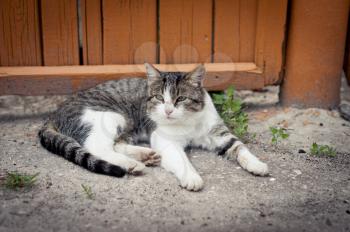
<point>315,51</point>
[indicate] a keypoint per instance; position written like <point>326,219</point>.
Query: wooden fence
<point>79,43</point>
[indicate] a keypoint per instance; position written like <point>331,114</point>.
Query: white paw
<point>192,182</point>
<point>258,168</point>
<point>148,157</point>
<point>134,167</point>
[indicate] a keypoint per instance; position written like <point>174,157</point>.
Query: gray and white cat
<point>100,127</point>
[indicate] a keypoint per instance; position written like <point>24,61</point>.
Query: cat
<point>99,128</point>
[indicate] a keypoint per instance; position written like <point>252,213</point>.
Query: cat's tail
<point>71,150</point>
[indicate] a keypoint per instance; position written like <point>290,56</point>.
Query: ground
<point>302,193</point>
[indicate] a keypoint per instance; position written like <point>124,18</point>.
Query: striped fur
<point>71,150</point>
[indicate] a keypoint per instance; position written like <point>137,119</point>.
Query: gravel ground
<point>303,192</point>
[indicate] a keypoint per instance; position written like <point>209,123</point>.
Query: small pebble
<point>301,151</point>
<point>21,212</point>
<point>298,172</point>
<point>262,214</point>
<point>238,167</point>
<point>272,179</point>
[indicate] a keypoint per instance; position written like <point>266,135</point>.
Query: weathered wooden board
<point>235,27</point>
<point>185,31</point>
<point>91,18</point>
<point>270,35</point>
<point>69,79</point>
<point>60,32</point>
<point>226,42</point>
<point>19,33</point>
<point>129,31</point>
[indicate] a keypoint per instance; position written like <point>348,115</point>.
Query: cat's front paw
<point>192,182</point>
<point>149,157</point>
<point>134,167</point>
<point>258,168</point>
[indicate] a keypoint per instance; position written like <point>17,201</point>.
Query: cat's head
<point>174,96</point>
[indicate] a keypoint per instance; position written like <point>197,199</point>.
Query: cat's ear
<point>153,74</point>
<point>196,76</point>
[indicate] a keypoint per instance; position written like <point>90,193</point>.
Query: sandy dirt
<point>302,193</point>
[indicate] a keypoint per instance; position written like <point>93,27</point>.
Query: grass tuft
<point>231,111</point>
<point>322,150</point>
<point>15,180</point>
<point>278,134</point>
<point>88,191</point>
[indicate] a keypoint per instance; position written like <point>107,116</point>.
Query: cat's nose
<point>168,111</point>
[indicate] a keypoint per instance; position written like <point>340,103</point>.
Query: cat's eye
<point>159,97</point>
<point>181,98</point>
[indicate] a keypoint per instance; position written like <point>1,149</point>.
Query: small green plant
<point>278,134</point>
<point>15,180</point>
<point>322,150</point>
<point>88,191</point>
<point>231,111</point>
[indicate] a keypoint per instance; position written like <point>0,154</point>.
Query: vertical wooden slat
<point>83,29</point>
<point>346,63</point>
<point>226,34</point>
<point>185,31</point>
<point>247,30</point>
<point>270,35</point>
<point>19,33</point>
<point>235,26</point>
<point>90,11</point>
<point>129,31</point>
<point>60,32</point>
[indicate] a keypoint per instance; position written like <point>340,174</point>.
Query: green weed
<point>15,180</point>
<point>322,150</point>
<point>88,191</point>
<point>278,134</point>
<point>231,111</point>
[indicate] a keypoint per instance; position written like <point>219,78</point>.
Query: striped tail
<point>71,150</point>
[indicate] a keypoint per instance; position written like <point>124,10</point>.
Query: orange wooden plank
<point>346,63</point>
<point>90,11</point>
<point>69,79</point>
<point>247,30</point>
<point>226,34</point>
<point>119,69</point>
<point>185,31</point>
<point>129,31</point>
<point>235,26</point>
<point>19,33</point>
<point>270,36</point>
<point>60,32</point>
